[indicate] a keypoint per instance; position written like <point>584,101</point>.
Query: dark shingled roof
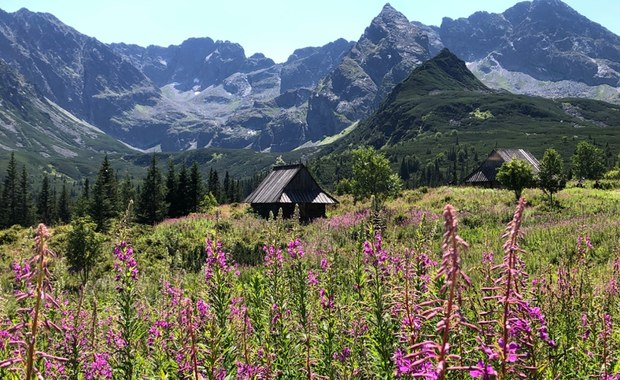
<point>488,169</point>
<point>289,184</point>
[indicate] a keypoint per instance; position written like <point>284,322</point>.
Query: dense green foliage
<point>151,207</point>
<point>104,204</point>
<point>551,177</point>
<point>515,175</point>
<point>83,247</point>
<point>588,161</point>
<point>372,175</point>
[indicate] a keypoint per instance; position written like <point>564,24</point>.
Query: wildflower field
<point>447,283</point>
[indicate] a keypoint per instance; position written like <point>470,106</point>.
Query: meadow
<point>445,283</point>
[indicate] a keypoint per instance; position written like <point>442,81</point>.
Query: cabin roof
<point>487,171</point>
<point>290,184</point>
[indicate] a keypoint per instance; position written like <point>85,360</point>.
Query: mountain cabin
<point>286,186</point>
<point>485,174</point>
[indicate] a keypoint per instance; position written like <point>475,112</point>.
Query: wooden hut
<point>485,174</point>
<point>286,186</point>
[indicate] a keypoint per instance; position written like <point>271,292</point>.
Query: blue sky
<point>272,27</point>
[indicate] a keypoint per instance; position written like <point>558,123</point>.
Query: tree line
<point>181,191</point>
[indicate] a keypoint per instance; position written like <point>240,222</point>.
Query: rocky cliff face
<point>246,101</point>
<point>209,93</point>
<point>545,39</point>
<point>80,74</point>
<point>31,122</point>
<point>384,55</point>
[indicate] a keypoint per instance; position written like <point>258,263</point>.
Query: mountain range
<point>441,120</point>
<point>66,95</point>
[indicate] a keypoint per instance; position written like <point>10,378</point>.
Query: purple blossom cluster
<point>348,220</point>
<point>125,265</point>
<point>371,310</point>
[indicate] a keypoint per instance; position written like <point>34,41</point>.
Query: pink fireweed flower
<point>586,327</point>
<point>273,256</point>
<point>483,371</point>
<point>348,220</point>
<point>174,294</point>
<point>326,299</point>
<point>325,264</point>
<point>21,271</point>
<point>295,249</point>
<point>343,355</point>
<point>215,259</point>
<point>250,371</point>
<point>126,265</point>
<point>203,308</point>
<point>312,279</point>
<point>99,368</point>
<point>407,366</point>
<point>277,315</point>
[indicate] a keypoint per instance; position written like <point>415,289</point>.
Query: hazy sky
<point>272,27</point>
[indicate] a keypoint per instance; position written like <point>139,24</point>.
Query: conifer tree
<point>183,193</point>
<point>44,203</point>
<point>127,191</point>
<point>152,205</point>
<point>172,191</point>
<point>25,201</point>
<point>227,196</point>
<point>195,189</point>
<point>54,203</point>
<point>404,169</point>
<point>9,194</point>
<point>214,184</point>
<point>104,203</point>
<point>63,208</point>
<point>82,204</point>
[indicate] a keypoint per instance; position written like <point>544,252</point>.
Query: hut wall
<point>307,211</point>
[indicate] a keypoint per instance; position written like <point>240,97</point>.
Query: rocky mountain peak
<point>387,22</point>
<point>545,39</point>
<point>384,55</point>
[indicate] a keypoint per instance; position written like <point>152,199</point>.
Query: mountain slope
<point>41,132</point>
<point>243,101</point>
<point>384,55</point>
<point>442,102</point>
<point>206,93</point>
<point>80,74</point>
<point>536,44</point>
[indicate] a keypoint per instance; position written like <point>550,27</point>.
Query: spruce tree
<point>83,202</point>
<point>214,184</point>
<point>104,203</point>
<point>152,206</point>
<point>9,195</point>
<point>54,203</point>
<point>195,190</point>
<point>184,202</point>
<point>127,192</point>
<point>63,208</point>
<point>44,203</point>
<point>172,191</point>
<point>24,207</point>
<point>227,195</point>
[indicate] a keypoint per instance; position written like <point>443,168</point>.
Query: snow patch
<point>153,149</point>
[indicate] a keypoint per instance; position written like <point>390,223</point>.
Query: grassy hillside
<point>324,299</point>
<point>442,109</point>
